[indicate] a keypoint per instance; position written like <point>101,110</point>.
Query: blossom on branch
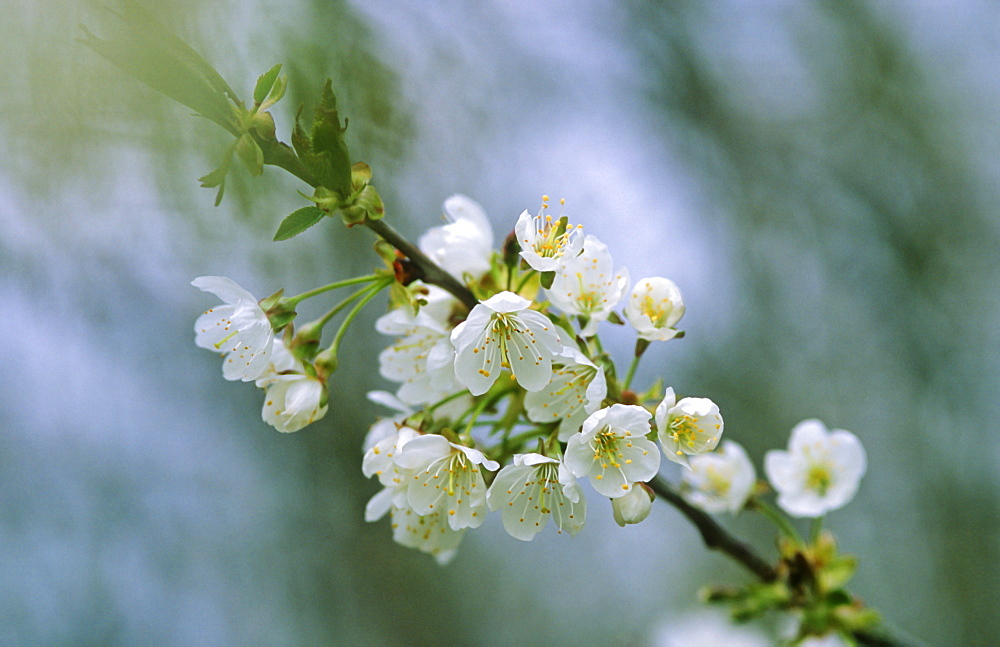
<point>575,390</point>
<point>546,243</point>
<point>654,307</point>
<point>534,489</point>
<point>240,329</point>
<point>720,481</point>
<point>820,471</point>
<point>691,426</point>
<point>445,477</point>
<point>612,450</point>
<point>465,244</point>
<point>587,286</point>
<point>502,332</point>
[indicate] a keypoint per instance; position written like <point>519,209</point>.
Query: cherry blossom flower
<point>587,285</point>
<point>613,451</point>
<point>691,426</point>
<point>531,491</point>
<point>545,244</point>
<point>293,401</point>
<point>719,481</point>
<point>634,507</point>
<point>446,478</point>
<point>502,332</point>
<point>575,390</point>
<point>422,357</point>
<point>465,244</point>
<point>654,307</point>
<point>820,471</point>
<point>429,533</point>
<point>240,329</point>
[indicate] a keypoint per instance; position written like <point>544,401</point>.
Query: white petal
<point>224,288</point>
<point>506,302</point>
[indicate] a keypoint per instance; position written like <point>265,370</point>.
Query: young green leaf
<point>297,222</point>
<point>264,84</point>
<point>250,154</point>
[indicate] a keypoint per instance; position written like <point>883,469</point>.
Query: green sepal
<point>297,222</point>
<point>547,278</point>
<point>265,83</point>
<point>323,151</point>
<point>367,205</point>
<point>614,318</point>
<point>250,154</point>
<point>640,346</point>
<point>386,252</point>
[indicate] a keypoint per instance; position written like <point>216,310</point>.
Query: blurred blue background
<point>820,178</point>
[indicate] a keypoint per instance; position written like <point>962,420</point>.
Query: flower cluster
<point>512,404</point>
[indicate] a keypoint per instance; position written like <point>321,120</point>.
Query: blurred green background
<point>820,178</point>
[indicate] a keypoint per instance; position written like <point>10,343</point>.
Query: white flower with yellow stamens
<point>654,307</point>
<point>240,329</point>
<point>719,481</point>
<point>545,242</point>
<point>612,450</point>
<point>691,426</point>
<point>819,472</point>
<point>587,286</point>
<point>502,332</point>
<point>429,533</point>
<point>421,358</point>
<point>445,477</point>
<point>534,489</point>
<point>576,390</point>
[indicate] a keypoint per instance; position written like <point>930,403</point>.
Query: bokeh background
<point>819,177</point>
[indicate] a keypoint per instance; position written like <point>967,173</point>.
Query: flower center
<point>551,235</point>
<point>819,478</point>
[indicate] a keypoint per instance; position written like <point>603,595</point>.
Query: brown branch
<point>281,155</point>
<point>714,535</point>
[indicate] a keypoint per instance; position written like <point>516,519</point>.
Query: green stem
<point>631,372</point>
<point>371,292</point>
<point>778,519</point>
<point>340,306</point>
<point>815,529</point>
<point>292,301</point>
<point>445,400</point>
<point>524,280</point>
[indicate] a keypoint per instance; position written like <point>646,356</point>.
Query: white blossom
<point>429,533</point>
<point>388,426</point>
<point>422,357</point>
<point>575,390</point>
<point>587,286</point>
<point>691,426</point>
<point>239,329</point>
<point>820,471</point>
<point>654,307</point>
<point>293,401</point>
<point>465,244</point>
<point>632,508</point>
<point>719,481</point>
<point>446,478</point>
<point>612,450</point>
<point>534,489</point>
<point>502,332</point>
<point>545,244</point>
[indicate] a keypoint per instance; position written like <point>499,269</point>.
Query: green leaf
<point>323,151</point>
<point>297,222</point>
<point>264,84</point>
<point>250,154</point>
<point>277,92</point>
<point>149,52</point>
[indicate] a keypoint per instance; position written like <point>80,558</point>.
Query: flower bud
<point>634,506</point>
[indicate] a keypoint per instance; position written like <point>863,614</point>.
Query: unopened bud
<point>634,506</point>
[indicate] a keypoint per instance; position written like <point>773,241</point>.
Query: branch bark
<point>281,155</point>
